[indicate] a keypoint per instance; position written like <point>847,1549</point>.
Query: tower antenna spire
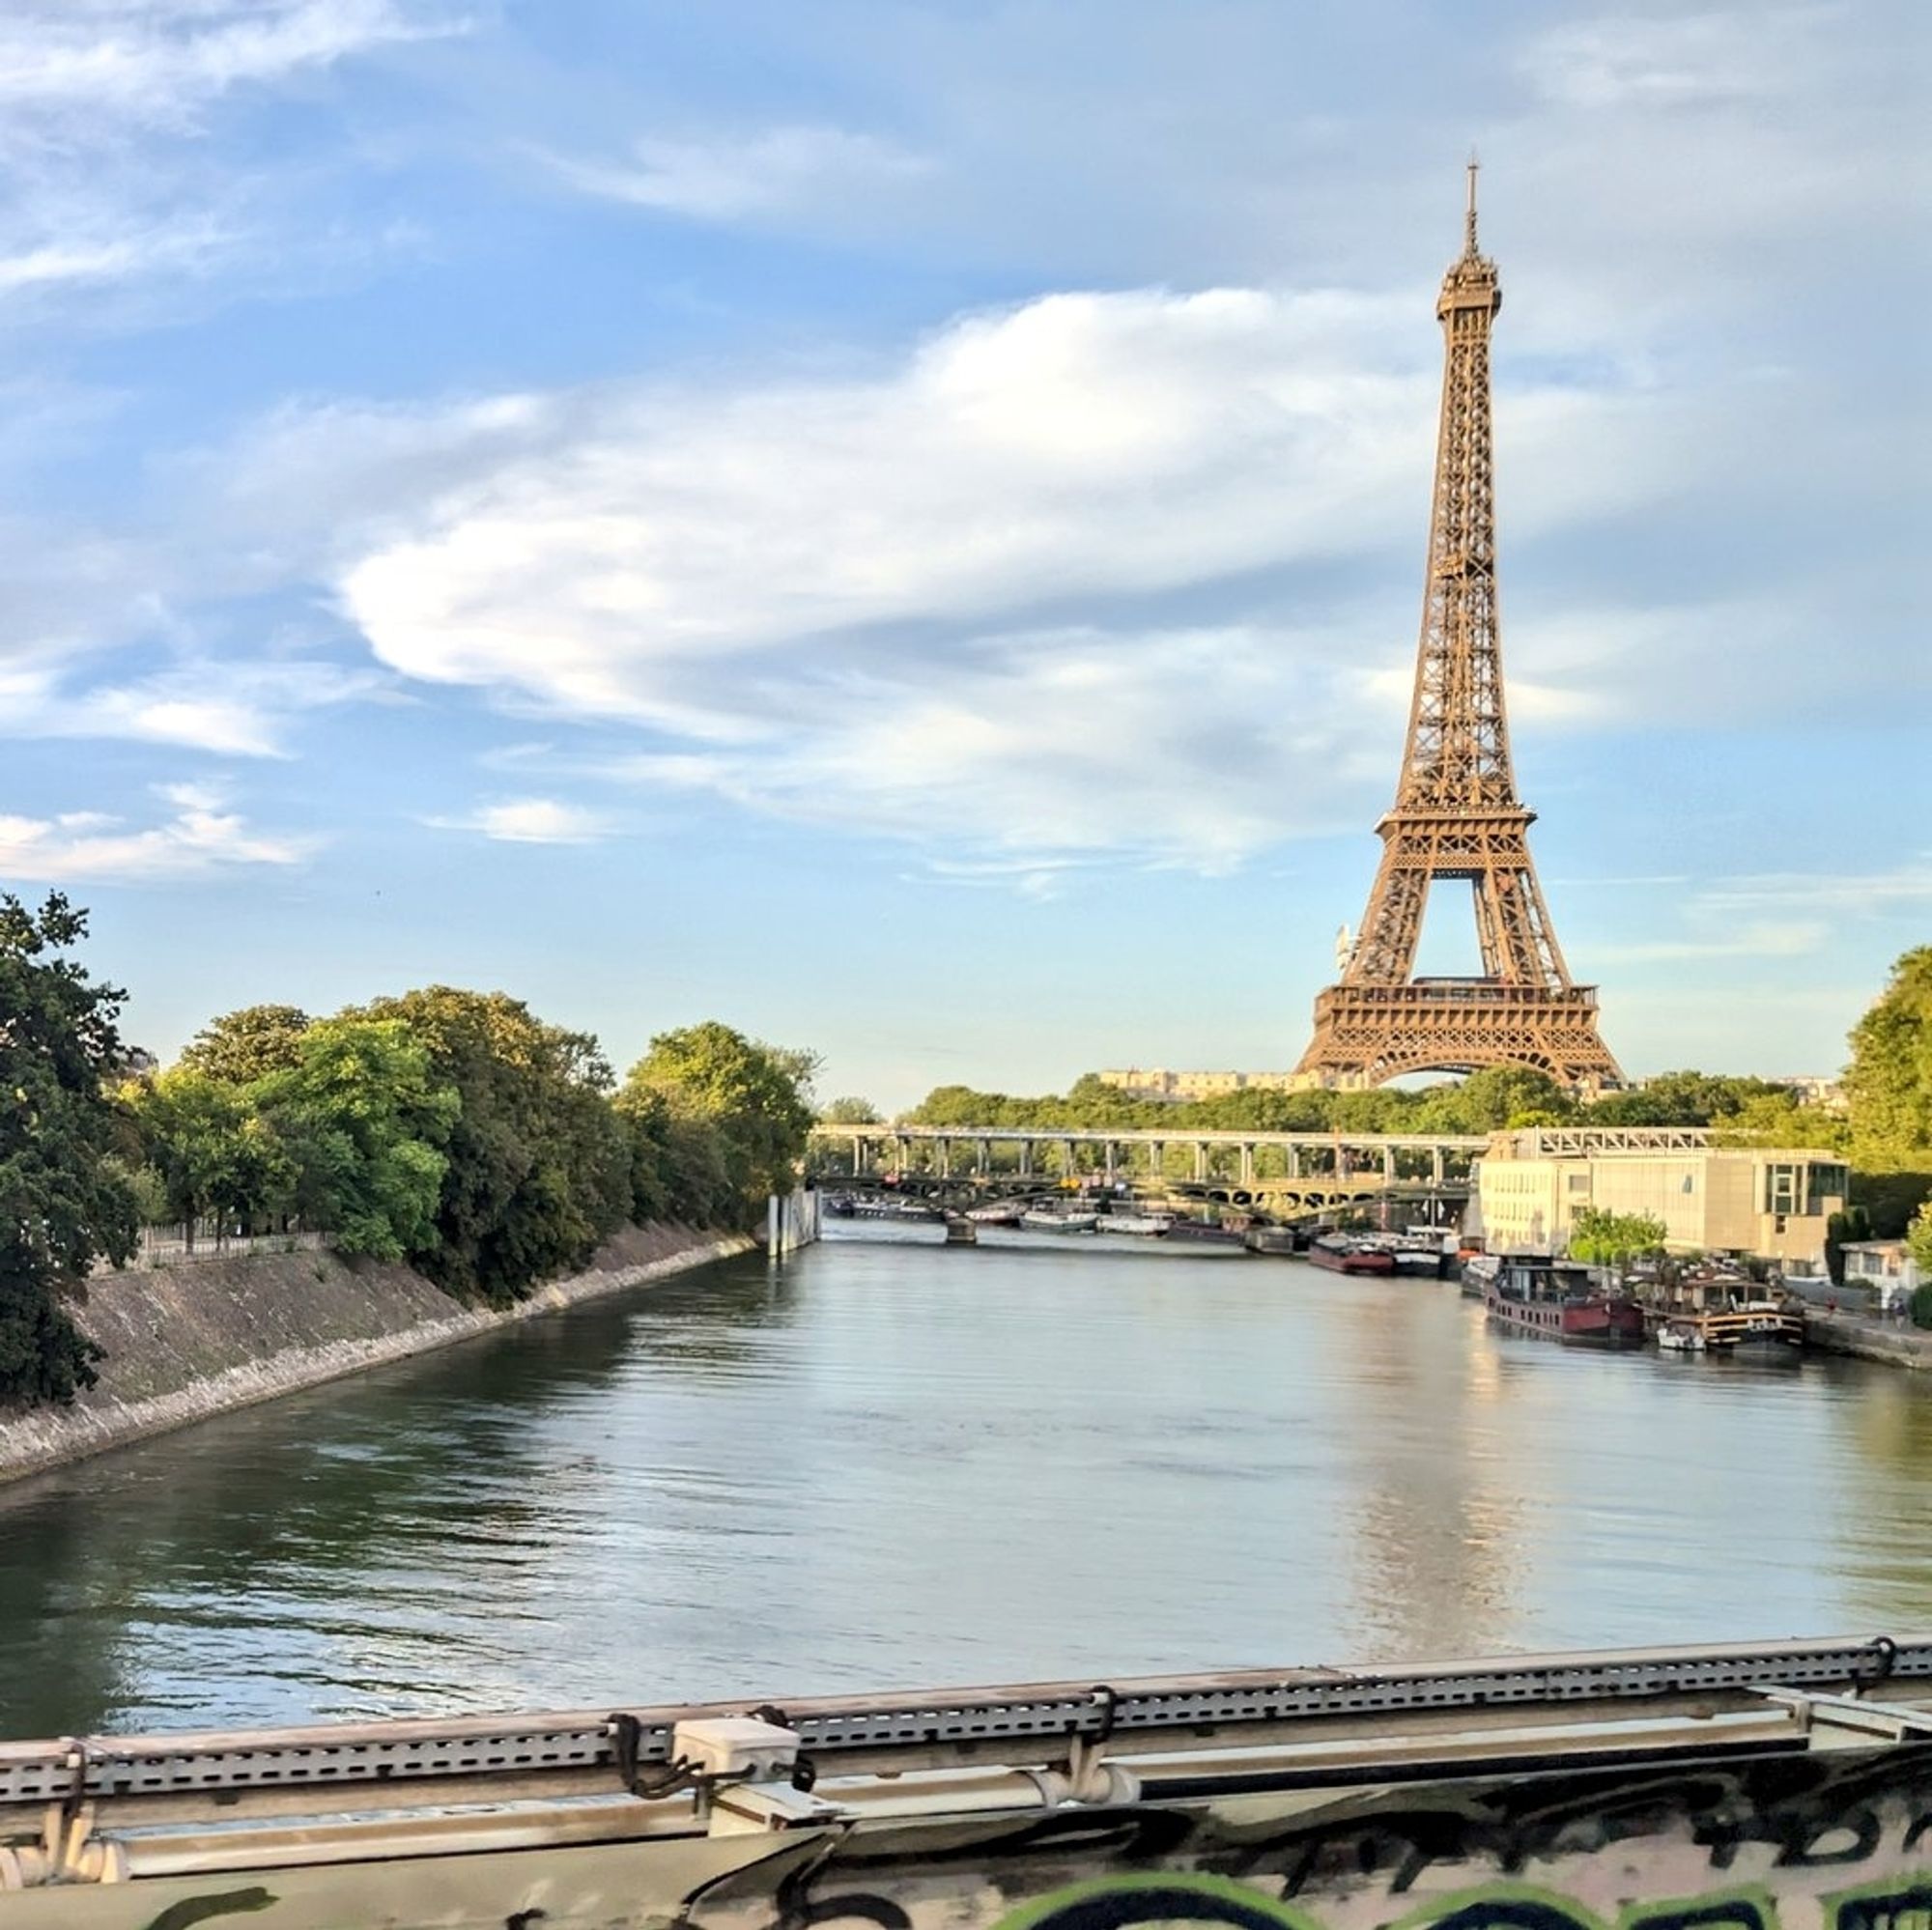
<point>1470,218</point>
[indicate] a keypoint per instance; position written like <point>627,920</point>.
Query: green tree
<point>1685,1098</point>
<point>1777,1117</point>
<point>210,1147</point>
<point>752,1094</point>
<point>1600,1238</point>
<point>1888,1083</point>
<point>1918,1240</point>
<point>850,1112</point>
<point>360,1119</point>
<point>539,1167</point>
<point>242,1046</point>
<point>65,1201</point>
<point>1842,1230</point>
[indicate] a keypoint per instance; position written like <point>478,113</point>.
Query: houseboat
<point>1556,1301</point>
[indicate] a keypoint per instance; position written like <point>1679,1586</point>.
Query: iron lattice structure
<point>1456,812</point>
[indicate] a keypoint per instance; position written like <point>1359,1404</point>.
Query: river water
<point>898,1465</point>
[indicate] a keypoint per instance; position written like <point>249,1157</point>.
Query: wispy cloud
<point>778,171</point>
<point>247,708</point>
<point>104,107</point>
<point>69,71</point>
<point>199,837</point>
<point>530,821</point>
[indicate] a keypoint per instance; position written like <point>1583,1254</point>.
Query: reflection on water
<point>899,1464</point>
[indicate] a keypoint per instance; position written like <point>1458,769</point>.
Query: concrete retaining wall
<point>185,1343</point>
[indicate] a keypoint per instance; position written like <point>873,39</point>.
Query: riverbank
<point>1869,1340</point>
<point>185,1343</point>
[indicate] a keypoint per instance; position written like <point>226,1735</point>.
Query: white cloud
<point>104,186</point>
<point>1080,446</point>
<point>246,708</point>
<point>530,821</point>
<point>849,596</point>
<point>84,67</point>
<point>200,837</point>
<point>778,171</point>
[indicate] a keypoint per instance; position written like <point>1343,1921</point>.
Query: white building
<point>1884,1268</point>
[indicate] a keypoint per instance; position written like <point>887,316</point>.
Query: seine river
<point>898,1465</point>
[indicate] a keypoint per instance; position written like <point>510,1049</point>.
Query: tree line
<point>454,1131</point>
<point>1884,1129</point>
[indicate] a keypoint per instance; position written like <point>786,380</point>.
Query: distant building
<point>1770,1203</point>
<point>1814,1090</point>
<point>1157,1081</point>
<point>1884,1268</point>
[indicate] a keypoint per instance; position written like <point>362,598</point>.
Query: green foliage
<point>1888,1083</point>
<point>1922,1305</point>
<point>850,1112</point>
<point>360,1119</point>
<point>1918,1240</point>
<point>65,1200</point>
<point>242,1046</point>
<point>1600,1238</point>
<point>538,1169</point>
<point>208,1146</point>
<point>1779,1117</point>
<point>752,1097</point>
<point>1841,1230</point>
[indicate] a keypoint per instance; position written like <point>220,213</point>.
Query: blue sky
<point>899,526</point>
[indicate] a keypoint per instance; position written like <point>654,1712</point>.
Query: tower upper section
<point>1457,757</point>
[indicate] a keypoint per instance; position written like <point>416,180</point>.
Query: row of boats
<point>1422,1251</point>
<point>1555,1299</point>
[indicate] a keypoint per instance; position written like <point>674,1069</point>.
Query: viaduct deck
<point>963,1150</point>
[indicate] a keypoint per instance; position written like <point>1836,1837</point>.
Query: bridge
<point>1310,1169</point>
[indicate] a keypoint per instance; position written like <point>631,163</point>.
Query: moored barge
<point>1530,1294</point>
<point>1341,1255</point>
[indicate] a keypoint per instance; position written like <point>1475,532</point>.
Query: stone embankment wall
<point>1895,1345</point>
<point>185,1343</point>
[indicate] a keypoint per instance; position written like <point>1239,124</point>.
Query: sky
<point>897,523</point>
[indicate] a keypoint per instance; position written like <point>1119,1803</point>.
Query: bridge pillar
<point>902,1154</point>
<point>1294,1161</point>
<point>1388,1166</point>
<point>1026,1159</point>
<point>982,1157</point>
<point>1247,1163</point>
<point>1066,1150</point>
<point>1200,1159</point>
<point>1157,1159</point>
<point>859,1144</point>
<point>1111,1154</point>
<point>946,1159</point>
<point>1436,1168</point>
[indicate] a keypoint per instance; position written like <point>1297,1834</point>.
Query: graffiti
<point>1761,1843</point>
<point>202,1909</point>
<point>1116,1903</point>
<point>1122,1902</point>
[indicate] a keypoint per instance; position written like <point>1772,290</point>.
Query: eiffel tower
<point>1456,812</point>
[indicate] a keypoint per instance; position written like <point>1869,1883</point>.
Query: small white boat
<point>1001,1214</point>
<point>1681,1337</point>
<point>1148,1225</point>
<point>1050,1219</point>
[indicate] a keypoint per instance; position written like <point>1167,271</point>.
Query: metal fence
<point>171,1245</point>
